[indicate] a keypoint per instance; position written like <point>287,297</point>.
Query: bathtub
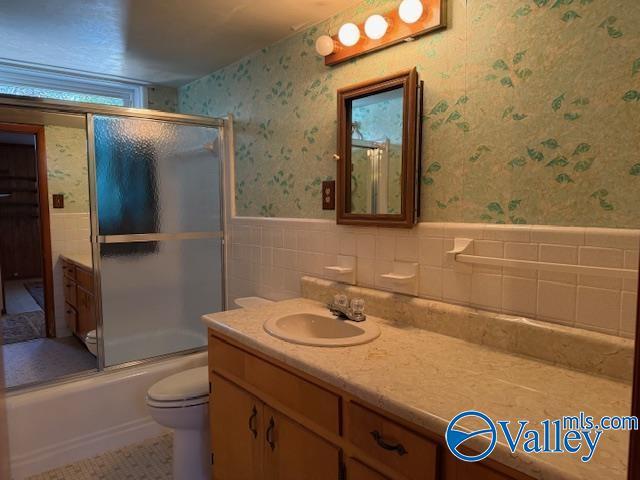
<point>52,426</point>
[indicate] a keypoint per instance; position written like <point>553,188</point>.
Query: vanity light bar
<point>410,20</point>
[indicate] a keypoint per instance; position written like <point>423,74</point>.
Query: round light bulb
<point>349,34</point>
<point>410,11</point>
<point>375,27</point>
<point>324,45</point>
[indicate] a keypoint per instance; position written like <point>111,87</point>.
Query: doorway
<point>26,276</point>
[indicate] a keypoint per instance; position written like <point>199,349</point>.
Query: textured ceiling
<point>166,42</point>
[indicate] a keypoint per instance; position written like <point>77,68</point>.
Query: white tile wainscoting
<point>268,256</point>
<point>70,233</point>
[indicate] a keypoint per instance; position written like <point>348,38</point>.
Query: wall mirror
<point>379,149</point>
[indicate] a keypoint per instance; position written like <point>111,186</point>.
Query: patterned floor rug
<point>21,327</point>
<point>36,290</point>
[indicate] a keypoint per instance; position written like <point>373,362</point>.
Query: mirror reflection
<point>376,153</point>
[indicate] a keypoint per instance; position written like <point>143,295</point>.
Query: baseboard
<point>86,446</point>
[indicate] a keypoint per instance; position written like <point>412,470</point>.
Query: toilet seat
<point>189,388</point>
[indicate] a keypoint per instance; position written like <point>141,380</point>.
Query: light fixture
<point>349,34</point>
<point>325,45</point>
<point>410,11</point>
<point>375,27</point>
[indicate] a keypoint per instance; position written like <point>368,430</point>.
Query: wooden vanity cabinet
<point>253,441</point>
<point>270,421</point>
<point>79,298</point>
<point>237,436</point>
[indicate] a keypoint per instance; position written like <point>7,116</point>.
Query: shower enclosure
<point>159,248</point>
<point>157,226</point>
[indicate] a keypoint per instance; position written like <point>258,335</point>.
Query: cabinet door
<point>71,317</point>
<point>359,471</point>
<point>291,452</point>
<point>86,312</point>
<point>236,432</point>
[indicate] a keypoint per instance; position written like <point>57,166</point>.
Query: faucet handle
<point>357,306</point>
<point>340,300</point>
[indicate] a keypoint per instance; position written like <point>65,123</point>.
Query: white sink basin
<point>321,330</point>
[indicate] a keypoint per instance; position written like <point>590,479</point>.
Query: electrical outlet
<point>329,195</point>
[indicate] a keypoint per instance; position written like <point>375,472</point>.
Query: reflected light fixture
<point>375,27</point>
<point>410,11</point>
<point>349,34</point>
<point>324,45</point>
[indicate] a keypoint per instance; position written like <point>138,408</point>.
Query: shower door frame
<point>97,239</point>
<point>225,135</point>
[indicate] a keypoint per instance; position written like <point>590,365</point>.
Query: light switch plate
<point>58,200</point>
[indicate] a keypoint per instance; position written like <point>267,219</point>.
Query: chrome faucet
<point>342,308</point>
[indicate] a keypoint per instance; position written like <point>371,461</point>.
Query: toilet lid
<point>91,337</point>
<point>184,385</point>
<point>252,302</point>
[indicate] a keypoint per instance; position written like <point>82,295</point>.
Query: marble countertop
<point>427,378</point>
<point>83,260</point>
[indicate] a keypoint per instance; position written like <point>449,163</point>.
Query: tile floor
<point>149,460</point>
<point>45,359</point>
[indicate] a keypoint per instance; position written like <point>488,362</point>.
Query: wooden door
<point>236,432</point>
<point>291,452</point>
<point>20,238</point>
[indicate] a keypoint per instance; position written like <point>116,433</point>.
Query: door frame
<point>45,225</point>
<point>633,467</point>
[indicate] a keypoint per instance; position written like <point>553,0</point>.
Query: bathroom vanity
<point>79,299</point>
<point>272,421</point>
<point>280,410</point>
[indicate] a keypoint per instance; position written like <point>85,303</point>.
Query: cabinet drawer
<point>71,317</point>
<point>84,279</point>
<point>68,270</point>
<point>69,287</point>
<point>313,402</point>
<point>402,450</point>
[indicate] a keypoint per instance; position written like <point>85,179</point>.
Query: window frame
<point>133,95</point>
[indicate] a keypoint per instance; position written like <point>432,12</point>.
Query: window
<point>62,86</point>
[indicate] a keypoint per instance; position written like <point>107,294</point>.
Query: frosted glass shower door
<point>158,205</point>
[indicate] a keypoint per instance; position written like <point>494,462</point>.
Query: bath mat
<point>36,290</point>
<point>21,327</point>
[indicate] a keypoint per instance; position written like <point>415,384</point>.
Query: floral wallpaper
<point>67,166</point>
<point>531,113</point>
<point>162,98</point>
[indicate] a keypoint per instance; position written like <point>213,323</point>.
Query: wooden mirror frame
<point>411,149</point>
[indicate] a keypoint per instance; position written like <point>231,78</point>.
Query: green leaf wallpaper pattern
<point>525,106</point>
<point>67,168</point>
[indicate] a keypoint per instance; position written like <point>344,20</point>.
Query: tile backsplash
<point>268,256</point>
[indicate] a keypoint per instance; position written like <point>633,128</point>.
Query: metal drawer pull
<point>269,434</point>
<point>254,414</point>
<point>387,446</point>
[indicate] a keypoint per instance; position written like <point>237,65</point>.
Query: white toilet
<point>91,342</point>
<point>180,402</point>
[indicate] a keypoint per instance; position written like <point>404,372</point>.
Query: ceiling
<point>168,42</point>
